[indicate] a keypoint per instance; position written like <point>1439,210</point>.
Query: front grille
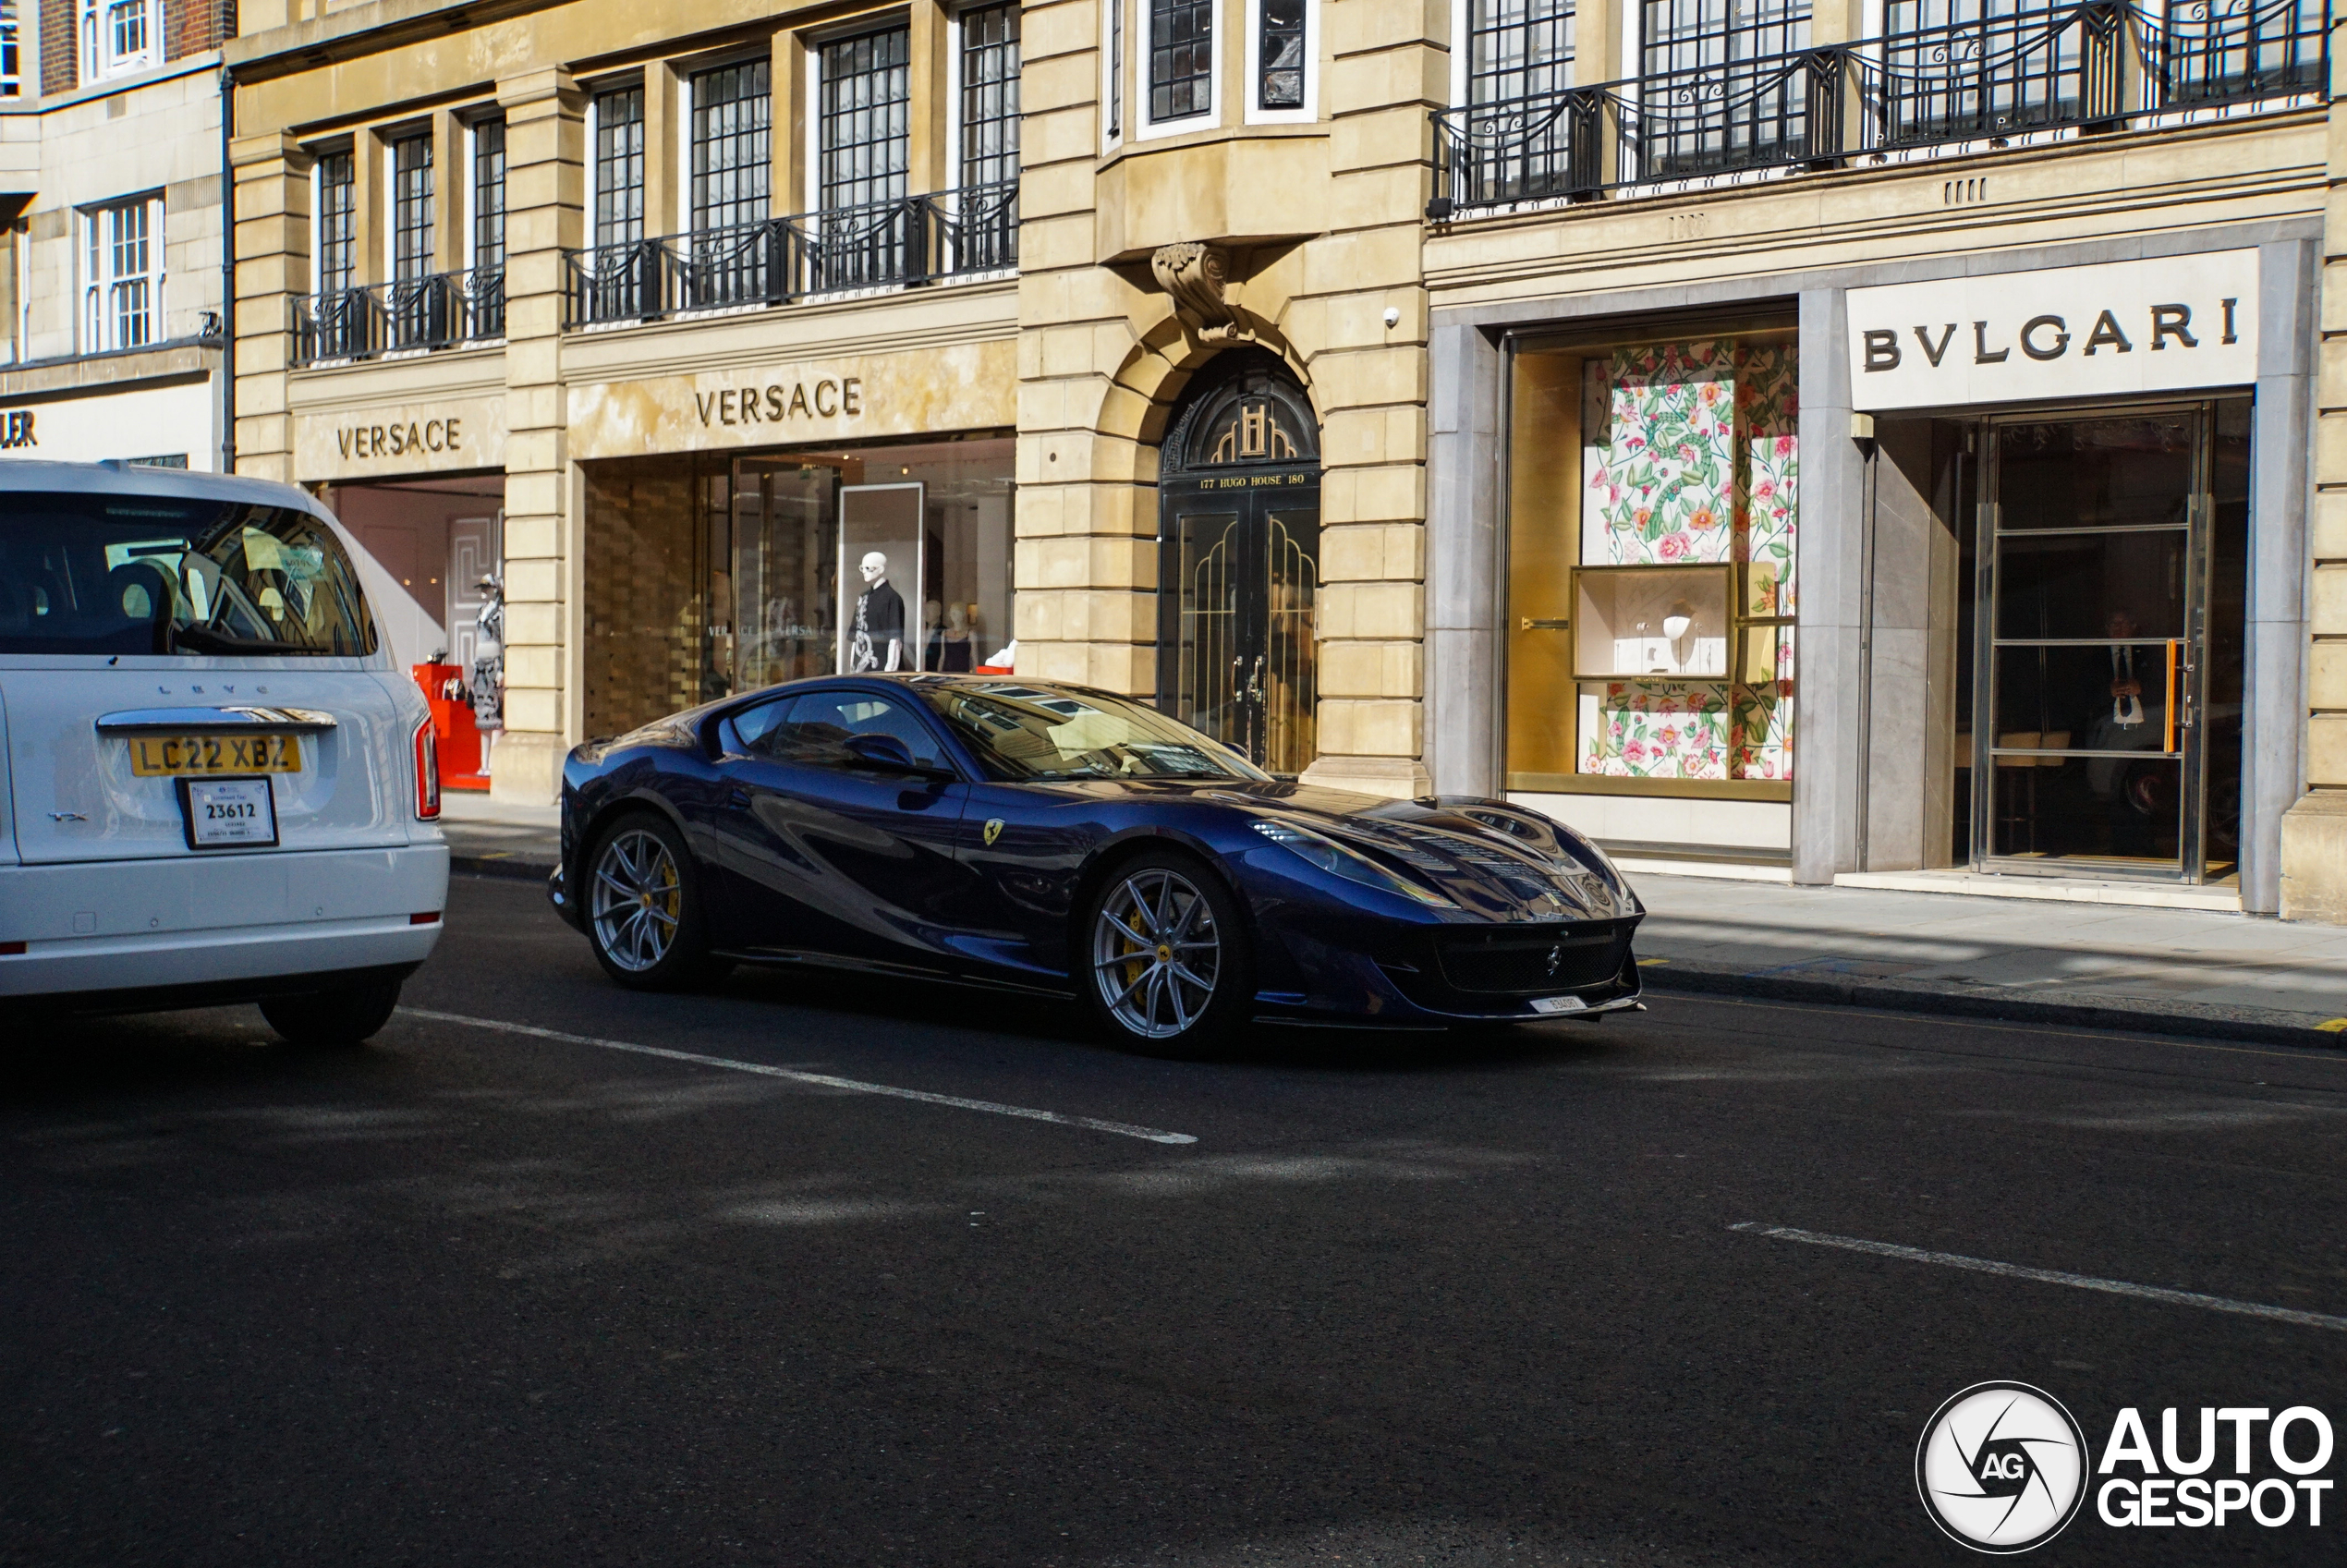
<point>1526,961</point>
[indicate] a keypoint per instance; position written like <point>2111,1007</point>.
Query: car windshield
<point>1024,732</point>
<point>160,574</point>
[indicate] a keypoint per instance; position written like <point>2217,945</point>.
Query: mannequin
<point>879,621</point>
<point>489,666</point>
<point>956,649</point>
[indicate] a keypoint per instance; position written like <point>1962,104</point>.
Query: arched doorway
<point>1239,564</point>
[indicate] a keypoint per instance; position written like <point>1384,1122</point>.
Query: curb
<point>2262,1025</point>
<point>496,865</point>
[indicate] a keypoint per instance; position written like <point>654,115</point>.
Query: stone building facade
<point>1610,406</point>
<point>111,258</point>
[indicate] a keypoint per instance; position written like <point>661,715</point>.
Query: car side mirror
<point>885,753</point>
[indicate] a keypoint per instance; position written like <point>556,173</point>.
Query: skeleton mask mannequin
<point>880,620</point>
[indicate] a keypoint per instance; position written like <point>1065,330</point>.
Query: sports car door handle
<point>738,799</point>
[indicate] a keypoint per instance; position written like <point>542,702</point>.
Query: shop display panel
<point>1653,517</point>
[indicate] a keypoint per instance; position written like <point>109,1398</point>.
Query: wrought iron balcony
<point>2090,66</point>
<point>438,312</point>
<point>913,240</point>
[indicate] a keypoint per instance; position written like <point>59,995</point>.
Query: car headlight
<point>1350,864</point>
<point>1577,853</point>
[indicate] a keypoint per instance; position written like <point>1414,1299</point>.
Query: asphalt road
<point>477,1296</point>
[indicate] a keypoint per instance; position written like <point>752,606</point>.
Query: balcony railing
<point>912,241</point>
<point>2088,66</point>
<point>438,312</point>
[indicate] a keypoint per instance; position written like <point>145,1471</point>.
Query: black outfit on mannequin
<point>880,620</point>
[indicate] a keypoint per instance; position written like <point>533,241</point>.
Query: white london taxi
<point>217,787</point>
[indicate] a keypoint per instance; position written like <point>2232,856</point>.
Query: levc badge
<point>993,828</point>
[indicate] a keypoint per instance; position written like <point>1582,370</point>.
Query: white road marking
<point>1090,1123</point>
<point>2049,1276</point>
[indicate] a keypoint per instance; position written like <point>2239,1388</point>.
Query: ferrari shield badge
<point>993,828</point>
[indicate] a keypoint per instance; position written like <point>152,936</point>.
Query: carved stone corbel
<point>1194,273</point>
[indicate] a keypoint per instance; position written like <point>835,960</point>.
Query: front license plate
<point>230,813</point>
<point>180,756</point>
<point>1558,1004</point>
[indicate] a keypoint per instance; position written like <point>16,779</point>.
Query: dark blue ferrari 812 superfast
<point>1022,833</point>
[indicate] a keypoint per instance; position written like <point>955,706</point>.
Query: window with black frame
<point>1278,53</point>
<point>731,136</point>
<point>1721,85</point>
<point>1116,67</point>
<point>730,174</point>
<point>334,328</point>
<point>416,309</point>
<point>988,217</point>
<point>489,195</point>
<point>1518,49</point>
<point>337,234</point>
<point>487,288</point>
<point>863,116</point>
<point>619,166</point>
<point>1519,58</point>
<point>1954,69</point>
<point>1181,59</point>
<point>2229,51</point>
<point>411,202</point>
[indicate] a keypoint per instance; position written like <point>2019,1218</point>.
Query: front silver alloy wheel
<point>638,900</point>
<point>1156,954</point>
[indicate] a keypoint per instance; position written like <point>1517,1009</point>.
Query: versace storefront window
<point>709,573</point>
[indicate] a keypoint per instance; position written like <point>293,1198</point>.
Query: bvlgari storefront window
<point>1652,518</point>
<point>709,573</point>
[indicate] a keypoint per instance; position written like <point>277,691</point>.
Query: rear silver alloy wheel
<point>1156,954</point>
<point>638,902</point>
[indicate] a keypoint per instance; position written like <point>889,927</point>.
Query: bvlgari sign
<point>2065,332</point>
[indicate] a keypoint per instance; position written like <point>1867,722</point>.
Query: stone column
<point>1465,599</point>
<point>269,219</point>
<point>1826,656</point>
<point>1085,554</point>
<point>2314,832</point>
<point>451,191</point>
<point>667,189</point>
<point>1388,66</point>
<point>545,191</point>
<point>931,81</point>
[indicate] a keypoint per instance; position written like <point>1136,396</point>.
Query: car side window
<point>758,729</point>
<point>820,723</point>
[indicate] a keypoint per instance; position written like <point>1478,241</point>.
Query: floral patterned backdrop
<point>1664,486</point>
<point>1697,461</point>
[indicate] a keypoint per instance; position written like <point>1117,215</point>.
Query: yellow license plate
<point>181,756</point>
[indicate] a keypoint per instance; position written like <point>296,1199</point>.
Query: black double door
<point>1238,587</point>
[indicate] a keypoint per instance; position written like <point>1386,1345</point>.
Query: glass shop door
<point>2107,674</point>
<point>786,563</point>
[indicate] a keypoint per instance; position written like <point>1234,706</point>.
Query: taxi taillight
<point>427,771</point>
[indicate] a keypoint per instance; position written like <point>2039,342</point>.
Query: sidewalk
<point>491,839</point>
<point>2169,971</point>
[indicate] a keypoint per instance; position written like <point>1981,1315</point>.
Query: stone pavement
<point>2175,971</point>
<point>2178,971</point>
<point>490,838</point>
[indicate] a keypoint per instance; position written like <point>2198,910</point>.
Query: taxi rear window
<point>141,574</point>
